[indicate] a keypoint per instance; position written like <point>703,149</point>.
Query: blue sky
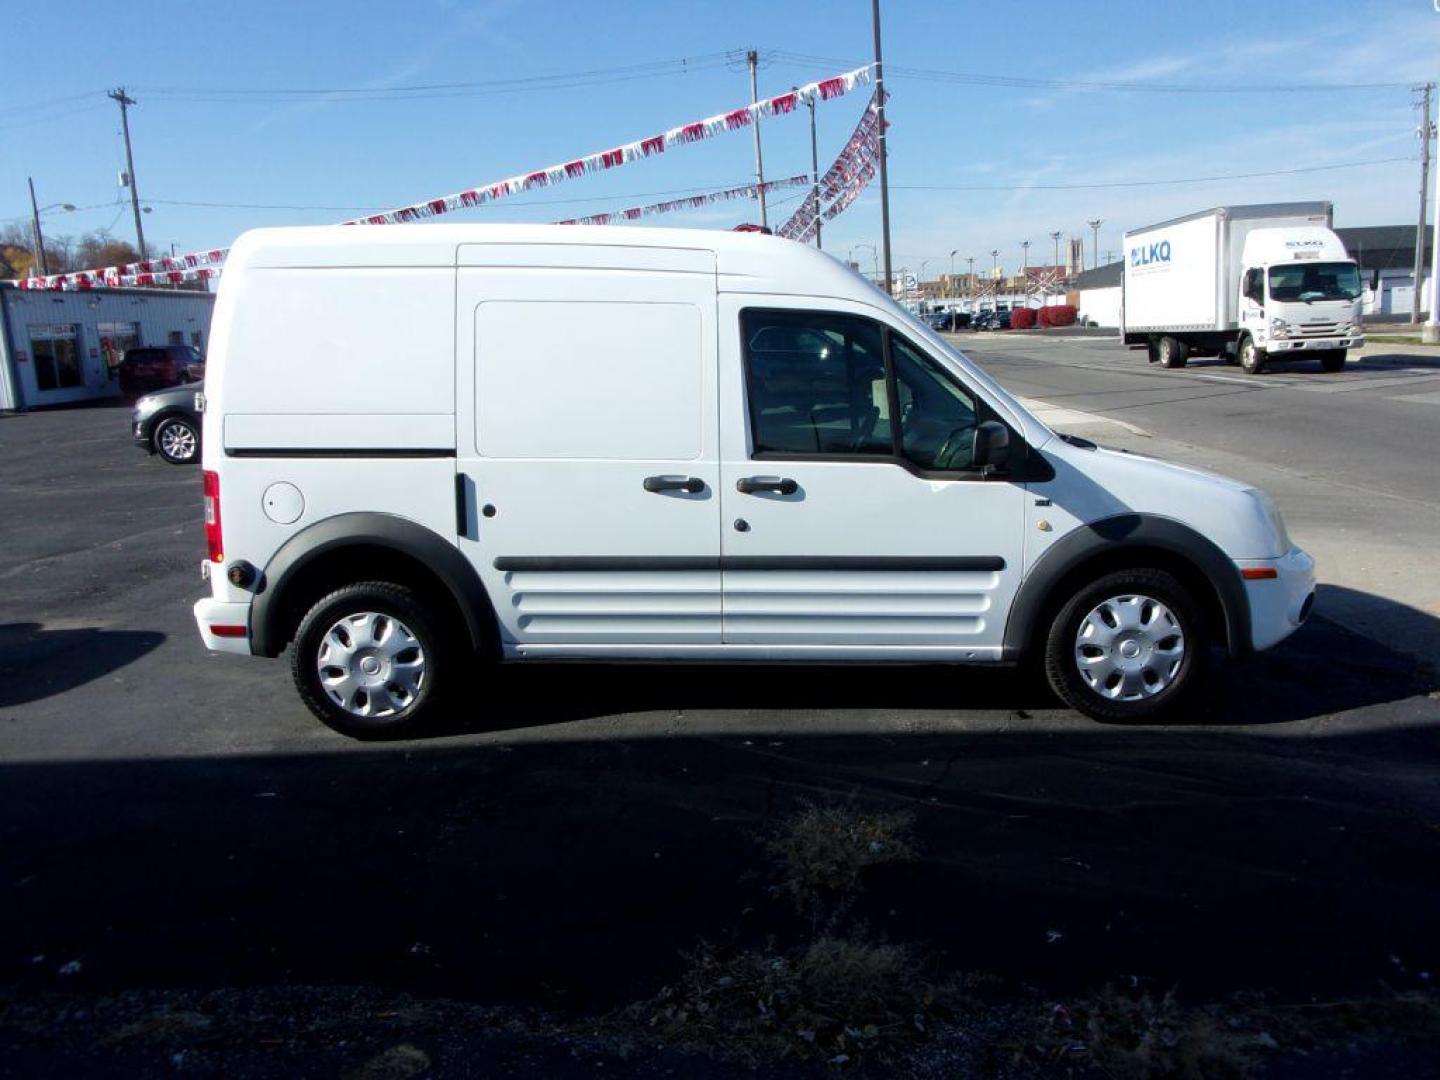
<point>329,155</point>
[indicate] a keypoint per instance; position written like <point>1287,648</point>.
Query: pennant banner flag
<point>823,90</point>
<point>745,191</point>
<point>202,265</point>
<point>852,171</point>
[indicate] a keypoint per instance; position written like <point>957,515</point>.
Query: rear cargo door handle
<point>748,485</point>
<point>693,484</point>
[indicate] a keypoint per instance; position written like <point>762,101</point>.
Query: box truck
<point>430,445</point>
<point>1250,284</point>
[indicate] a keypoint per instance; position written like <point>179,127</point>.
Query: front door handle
<point>748,485</point>
<point>693,484</point>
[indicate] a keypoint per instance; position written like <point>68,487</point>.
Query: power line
<point>497,205</point>
<point>970,78</point>
<point>555,81</point>
<point>49,103</point>
<point>1149,183</point>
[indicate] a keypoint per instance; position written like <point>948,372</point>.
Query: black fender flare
<point>1116,534</point>
<point>366,529</point>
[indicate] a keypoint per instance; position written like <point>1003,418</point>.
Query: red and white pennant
<point>203,265</point>
<point>744,191</point>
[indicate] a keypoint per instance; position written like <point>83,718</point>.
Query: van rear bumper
<point>1279,604</point>
<point>224,627</point>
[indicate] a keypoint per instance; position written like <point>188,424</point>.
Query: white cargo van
<point>431,444</point>
<point>1251,284</point>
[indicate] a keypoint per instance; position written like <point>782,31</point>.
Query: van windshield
<point>1315,281</point>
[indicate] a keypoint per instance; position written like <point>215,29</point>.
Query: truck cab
<point>1300,295</point>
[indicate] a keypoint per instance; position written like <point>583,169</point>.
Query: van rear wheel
<point>1128,646</point>
<point>368,661</point>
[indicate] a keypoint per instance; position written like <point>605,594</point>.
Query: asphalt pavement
<point>170,818</point>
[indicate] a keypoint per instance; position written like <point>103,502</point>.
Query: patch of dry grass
<point>834,1000</point>
<point>822,852</point>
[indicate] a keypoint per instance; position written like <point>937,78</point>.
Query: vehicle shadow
<point>1322,670</point>
<point>37,663</point>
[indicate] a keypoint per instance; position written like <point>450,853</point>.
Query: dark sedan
<point>167,423</point>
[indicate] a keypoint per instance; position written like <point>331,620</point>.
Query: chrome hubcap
<point>1129,648</point>
<point>370,664</point>
<point>178,441</point>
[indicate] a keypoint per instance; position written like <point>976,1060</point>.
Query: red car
<point>155,367</point>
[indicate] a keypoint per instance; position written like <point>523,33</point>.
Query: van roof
<point>744,261</point>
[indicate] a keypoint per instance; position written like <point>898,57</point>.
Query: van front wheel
<point>1128,646</point>
<point>367,661</point>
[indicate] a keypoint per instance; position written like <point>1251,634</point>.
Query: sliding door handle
<point>693,484</point>
<point>749,485</point>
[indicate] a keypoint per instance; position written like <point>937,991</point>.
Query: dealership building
<point>61,347</point>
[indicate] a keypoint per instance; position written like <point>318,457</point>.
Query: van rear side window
<point>597,380</point>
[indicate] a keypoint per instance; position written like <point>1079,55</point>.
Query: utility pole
<point>1056,237</point>
<point>814,171</point>
<point>1426,131</point>
<point>1095,251</point>
<point>753,58</point>
<point>1430,333</point>
<point>882,144</point>
<point>39,240</point>
<point>125,100</point>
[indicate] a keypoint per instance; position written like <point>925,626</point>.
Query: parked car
<point>962,320</point>
<point>167,423</point>
<point>154,367</point>
<point>460,457</point>
<point>984,320</point>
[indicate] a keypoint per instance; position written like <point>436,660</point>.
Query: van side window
<point>816,383</point>
<point>937,417</point>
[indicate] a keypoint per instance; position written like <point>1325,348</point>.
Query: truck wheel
<point>368,661</point>
<point>1251,358</point>
<point>1332,360</point>
<point>1172,353</point>
<point>1128,646</point>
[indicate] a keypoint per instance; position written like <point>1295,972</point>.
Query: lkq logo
<point>1152,257</point>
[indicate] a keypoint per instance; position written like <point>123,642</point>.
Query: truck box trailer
<point>1251,284</point>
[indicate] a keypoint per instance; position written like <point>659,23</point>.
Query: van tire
<point>1252,359</point>
<point>1332,360</point>
<point>1172,352</point>
<point>1181,612</point>
<point>394,606</point>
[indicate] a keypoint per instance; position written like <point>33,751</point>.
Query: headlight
<point>1272,515</point>
<point>1279,328</point>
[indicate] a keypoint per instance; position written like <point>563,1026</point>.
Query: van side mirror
<point>992,447</point>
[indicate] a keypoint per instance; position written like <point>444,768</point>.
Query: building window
<point>115,338</point>
<point>177,337</point>
<point>55,349</point>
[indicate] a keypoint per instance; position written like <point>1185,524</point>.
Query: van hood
<point>1092,483</point>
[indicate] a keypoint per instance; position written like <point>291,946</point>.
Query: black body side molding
<point>1115,534</point>
<point>437,554</point>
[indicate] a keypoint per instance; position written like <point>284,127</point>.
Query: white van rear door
<point>589,445</point>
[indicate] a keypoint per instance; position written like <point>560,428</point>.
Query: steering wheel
<point>953,444</point>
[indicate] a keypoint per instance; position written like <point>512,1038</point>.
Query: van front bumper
<point>1283,345</point>
<point>224,627</point>
<point>1279,604</point>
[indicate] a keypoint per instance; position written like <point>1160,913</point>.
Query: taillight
<point>213,539</point>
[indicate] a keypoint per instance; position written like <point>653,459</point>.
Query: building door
<point>55,354</point>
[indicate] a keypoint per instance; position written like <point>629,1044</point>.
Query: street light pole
<point>814,171</point>
<point>1426,130</point>
<point>1095,251</point>
<point>1024,256</point>
<point>1056,237</point>
<point>952,268</point>
<point>39,240</point>
<point>881,143</point>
